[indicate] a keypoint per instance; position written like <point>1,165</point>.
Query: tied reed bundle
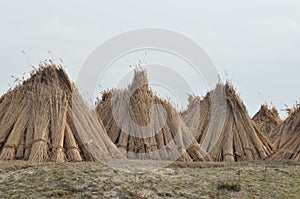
<point>166,136</point>
<point>267,120</point>
<point>46,119</point>
<point>223,127</point>
<point>286,137</point>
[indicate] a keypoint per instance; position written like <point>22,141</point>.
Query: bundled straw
<point>40,149</point>
<point>45,119</point>
<point>267,120</point>
<point>59,109</point>
<point>145,126</point>
<point>223,127</point>
<point>10,135</point>
<point>286,138</point>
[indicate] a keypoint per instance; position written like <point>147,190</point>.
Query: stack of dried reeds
<point>223,127</point>
<point>145,126</point>
<point>267,120</point>
<point>45,119</point>
<point>286,138</point>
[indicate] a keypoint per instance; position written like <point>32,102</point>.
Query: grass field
<point>178,180</point>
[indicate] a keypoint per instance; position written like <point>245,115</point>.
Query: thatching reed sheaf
<point>145,126</point>
<point>286,137</point>
<point>223,127</point>
<point>267,120</point>
<point>46,119</point>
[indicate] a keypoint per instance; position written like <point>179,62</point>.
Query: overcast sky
<point>255,44</point>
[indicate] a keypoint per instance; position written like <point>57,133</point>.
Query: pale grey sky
<point>256,42</point>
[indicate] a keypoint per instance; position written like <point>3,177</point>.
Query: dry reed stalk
<point>267,120</point>
<point>73,153</point>
<point>160,138</point>
<point>6,101</point>
<point>82,119</point>
<point>45,116</point>
<point>98,144</point>
<point>28,140</point>
<point>40,149</point>
<point>76,128</point>
<point>287,138</point>
<point>58,124</point>
<point>10,116</point>
<point>21,148</point>
<point>228,139</point>
<point>224,128</point>
<point>161,141</point>
<point>10,148</point>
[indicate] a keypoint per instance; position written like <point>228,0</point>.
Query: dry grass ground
<point>179,180</point>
